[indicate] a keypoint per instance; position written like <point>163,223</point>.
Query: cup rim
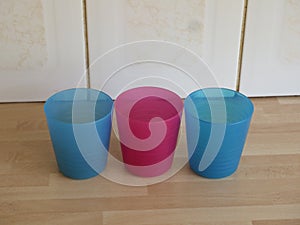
<point>50,99</point>
<point>174,95</point>
<point>248,101</point>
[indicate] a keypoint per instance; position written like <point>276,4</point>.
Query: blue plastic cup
<point>217,123</point>
<point>79,122</point>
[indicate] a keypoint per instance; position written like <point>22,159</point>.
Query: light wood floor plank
<point>200,215</point>
<point>53,219</point>
<point>277,222</point>
<point>265,190</point>
<point>64,188</point>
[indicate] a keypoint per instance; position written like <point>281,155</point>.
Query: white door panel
<point>41,48</point>
<point>271,60</point>
<point>209,28</point>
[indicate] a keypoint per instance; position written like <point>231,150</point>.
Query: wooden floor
<point>264,191</point>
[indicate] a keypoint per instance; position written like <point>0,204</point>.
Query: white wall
<point>211,29</point>
<point>41,48</point>
<point>271,61</point>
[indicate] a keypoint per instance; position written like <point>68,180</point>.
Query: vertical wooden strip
<point>240,60</point>
<point>86,40</point>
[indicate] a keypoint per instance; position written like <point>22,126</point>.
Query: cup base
<point>151,170</point>
<point>78,173</point>
<point>210,175</point>
<point>79,177</point>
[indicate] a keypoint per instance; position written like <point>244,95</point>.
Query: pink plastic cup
<point>148,120</point>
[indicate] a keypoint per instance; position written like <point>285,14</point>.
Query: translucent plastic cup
<point>217,122</point>
<point>79,122</point>
<point>148,120</point>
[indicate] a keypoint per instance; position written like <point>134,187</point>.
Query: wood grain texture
<point>265,190</point>
<point>277,222</point>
